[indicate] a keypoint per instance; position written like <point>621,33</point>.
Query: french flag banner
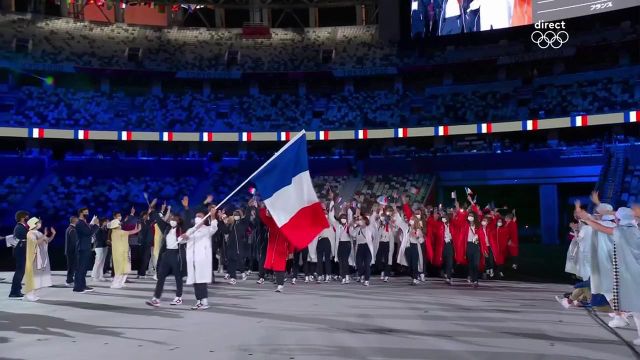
<point>284,136</point>
<point>485,128</point>
<point>245,136</point>
<point>401,132</point>
<point>528,125</point>
<point>580,120</point>
<point>206,136</point>
<point>166,136</point>
<point>285,185</point>
<point>631,116</point>
<point>361,134</point>
<point>82,134</point>
<point>442,130</point>
<point>124,135</point>
<point>37,133</point>
<point>322,135</point>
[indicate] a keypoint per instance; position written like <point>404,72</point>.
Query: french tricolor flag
<point>442,130</point>
<point>206,136</point>
<point>82,134</point>
<point>528,125</point>
<point>631,116</point>
<point>361,134</point>
<point>580,120</point>
<point>322,135</point>
<point>37,133</point>
<point>284,136</point>
<point>124,135</point>
<point>401,132</point>
<point>285,185</point>
<point>244,136</point>
<point>485,128</point>
<point>166,136</point>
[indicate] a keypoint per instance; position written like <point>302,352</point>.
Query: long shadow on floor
<point>114,309</point>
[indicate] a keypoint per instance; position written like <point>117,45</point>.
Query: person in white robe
<point>199,256</point>
<point>37,267</point>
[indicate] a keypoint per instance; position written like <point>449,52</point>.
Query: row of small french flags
<point>441,130</point>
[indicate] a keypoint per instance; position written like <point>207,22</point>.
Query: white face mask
<point>484,223</point>
<point>389,213</point>
<point>236,217</point>
<point>199,220</point>
<point>470,218</point>
<point>119,218</point>
<point>344,221</point>
<point>418,216</point>
<point>499,223</point>
<point>173,223</point>
<point>444,220</point>
<point>361,223</point>
<point>411,222</point>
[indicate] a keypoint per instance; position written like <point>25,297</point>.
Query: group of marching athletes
<point>604,254</point>
<point>364,232</point>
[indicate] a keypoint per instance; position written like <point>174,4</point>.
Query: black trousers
<point>344,251</point>
<point>108,268</point>
<point>363,261</point>
<point>201,291</point>
<point>169,263</point>
<point>447,256</point>
<point>71,266</point>
<point>324,257</point>
<point>20,254</point>
<point>262,255</point>
<point>80,281</point>
<point>145,257</point>
<point>279,277</point>
<point>413,258</point>
<point>473,257</point>
<point>488,260</point>
<point>234,258</point>
<point>382,258</point>
<point>305,263</point>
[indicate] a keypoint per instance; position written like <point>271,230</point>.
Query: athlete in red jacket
<point>278,249</point>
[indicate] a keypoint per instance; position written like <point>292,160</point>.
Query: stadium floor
<point>500,320</point>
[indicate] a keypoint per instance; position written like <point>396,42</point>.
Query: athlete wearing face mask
<point>386,241</point>
<point>343,249</point>
<point>237,241</point>
<point>363,235</point>
<point>488,240</point>
<point>170,257</point>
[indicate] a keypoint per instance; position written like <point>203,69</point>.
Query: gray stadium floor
<point>500,320</point>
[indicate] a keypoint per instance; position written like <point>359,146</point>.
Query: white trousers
<point>98,266</point>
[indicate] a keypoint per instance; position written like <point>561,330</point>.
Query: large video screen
<point>446,17</point>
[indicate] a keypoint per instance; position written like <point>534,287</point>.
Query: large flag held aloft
<point>285,185</point>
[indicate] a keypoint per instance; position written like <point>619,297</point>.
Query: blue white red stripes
<point>206,136</point>
<point>631,116</point>
<point>484,128</point>
<point>166,136</point>
<point>284,136</point>
<point>322,135</point>
<point>37,133</point>
<point>285,185</point>
<point>401,132</point>
<point>244,136</point>
<point>579,120</point>
<point>529,125</point>
<point>361,134</point>
<point>124,135</point>
<point>82,134</point>
<point>442,130</point>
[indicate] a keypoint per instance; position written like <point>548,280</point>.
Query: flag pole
<point>301,133</point>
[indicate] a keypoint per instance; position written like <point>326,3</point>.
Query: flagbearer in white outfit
<point>199,256</point>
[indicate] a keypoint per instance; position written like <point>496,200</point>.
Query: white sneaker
<point>70,285</point>
<point>422,278</point>
<point>153,302</point>
<point>386,279</point>
<point>279,288</point>
<point>31,297</point>
<point>358,279</point>
<point>366,283</point>
<point>563,301</point>
<point>197,305</point>
<point>260,281</point>
<point>233,281</point>
<point>348,280</point>
<point>226,276</point>
<point>176,301</point>
<point>293,281</point>
<point>155,277</point>
<point>244,276</point>
<point>618,322</point>
<point>306,279</point>
<point>327,279</point>
<point>469,279</point>
<point>515,266</point>
<point>344,281</point>
<point>415,282</point>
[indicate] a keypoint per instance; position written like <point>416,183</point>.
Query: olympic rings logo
<point>549,38</point>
